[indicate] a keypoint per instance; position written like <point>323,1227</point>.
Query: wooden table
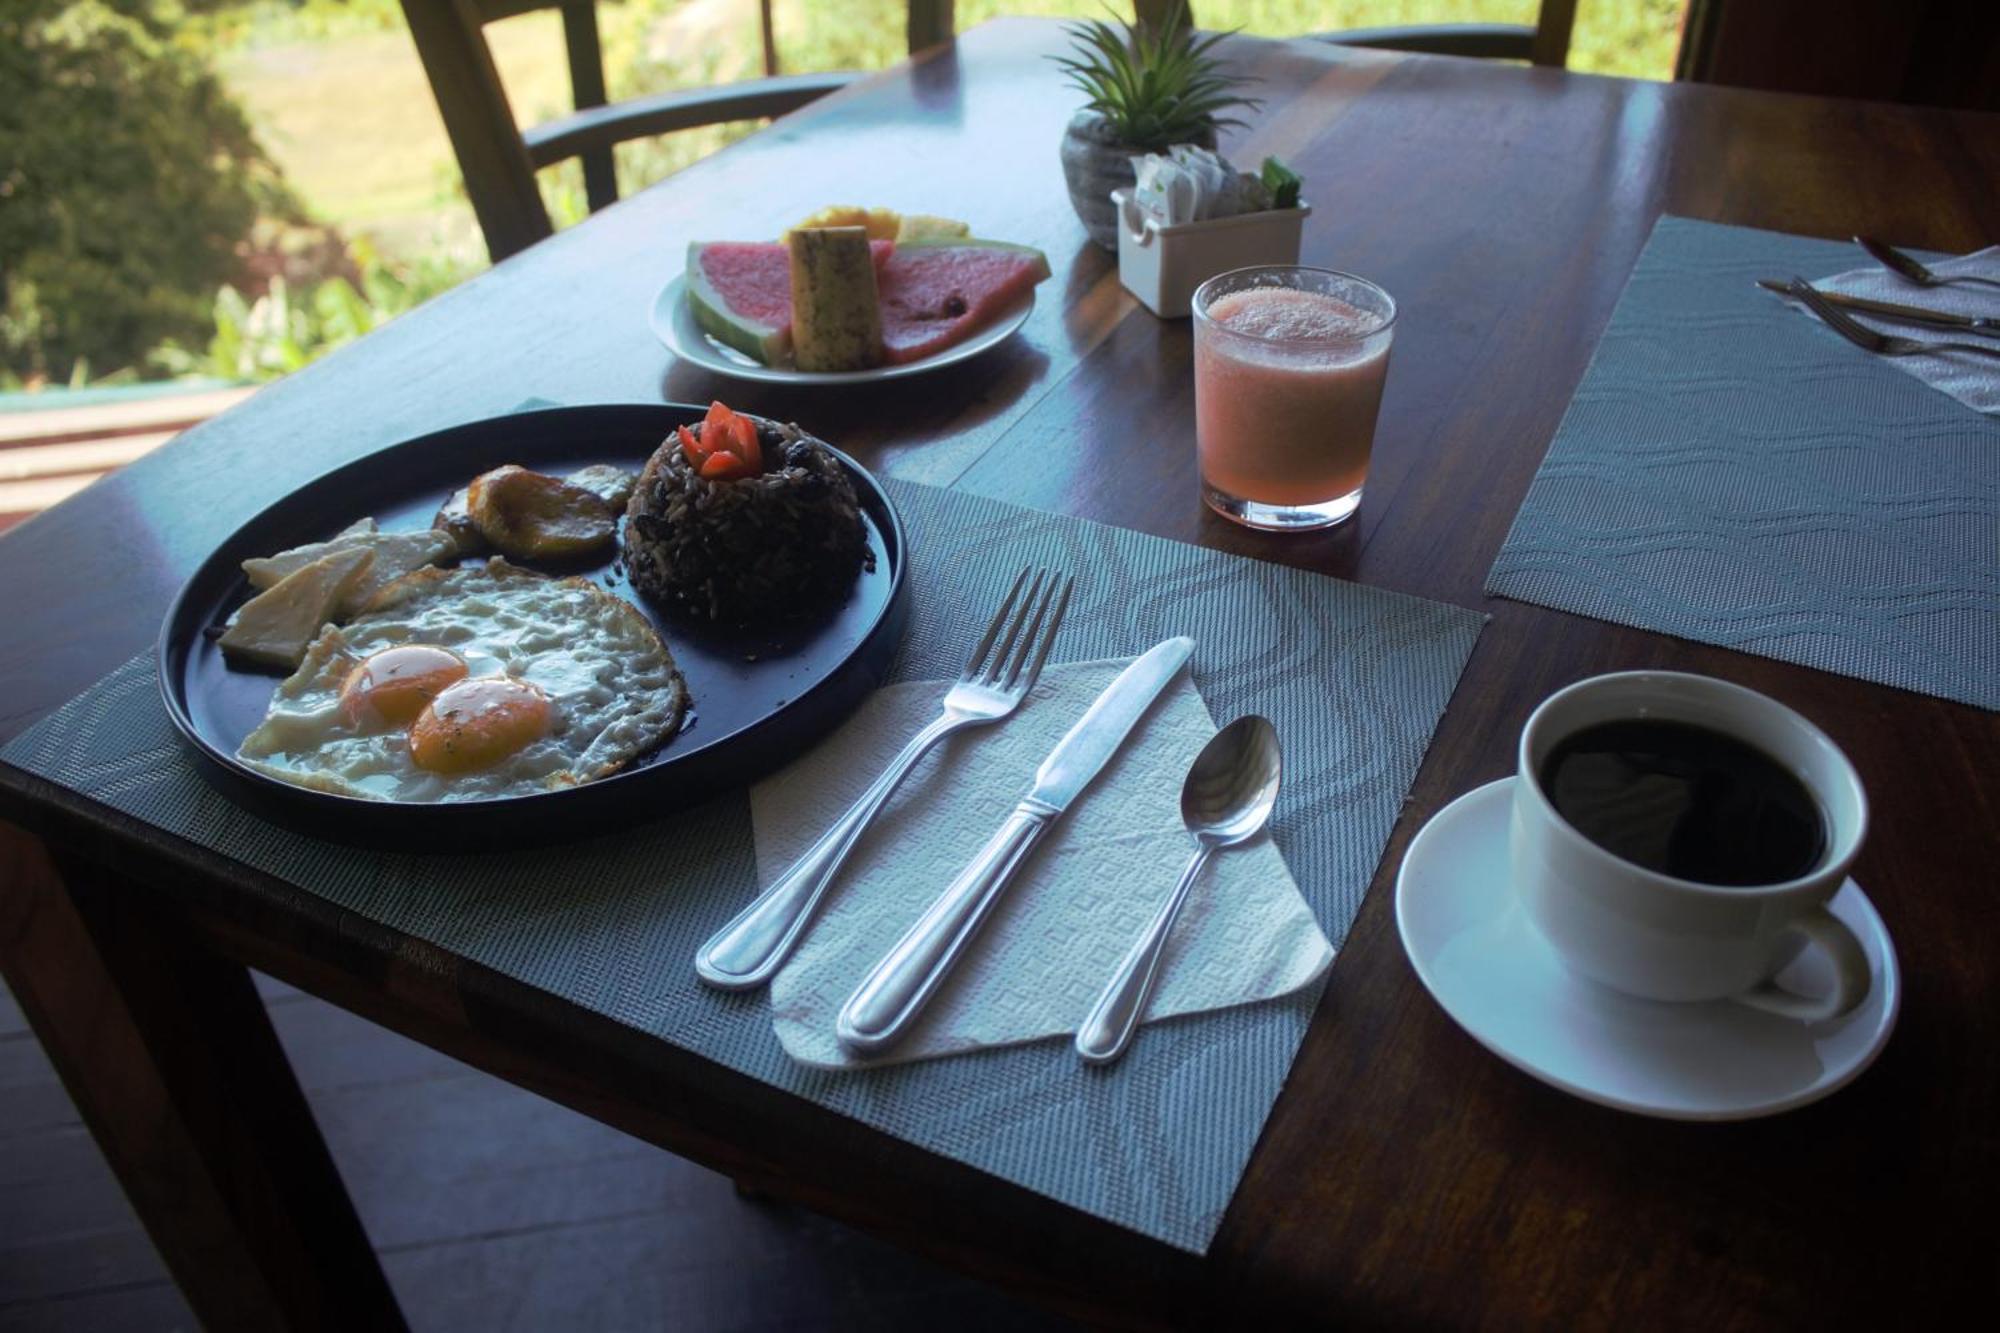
<point>1405,1175</point>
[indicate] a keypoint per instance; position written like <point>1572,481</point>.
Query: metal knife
<point>1942,319</point>
<point>898,987</point>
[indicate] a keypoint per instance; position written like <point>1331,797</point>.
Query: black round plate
<point>756,699</point>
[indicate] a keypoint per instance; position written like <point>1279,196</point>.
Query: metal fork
<point>746,953</point>
<point>1912,268</point>
<point>1886,344</point>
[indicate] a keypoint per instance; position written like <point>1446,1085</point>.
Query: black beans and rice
<point>759,550</point>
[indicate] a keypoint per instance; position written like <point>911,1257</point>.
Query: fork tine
<point>998,662</point>
<point>1059,596</point>
<point>973,663</point>
<point>1006,673</point>
<point>1836,318</point>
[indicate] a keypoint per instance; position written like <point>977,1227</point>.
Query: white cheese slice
<point>396,554</point>
<point>274,627</point>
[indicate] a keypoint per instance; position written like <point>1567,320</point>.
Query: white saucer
<point>1473,946</point>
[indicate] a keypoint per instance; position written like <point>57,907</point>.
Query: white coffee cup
<point>1652,935</point>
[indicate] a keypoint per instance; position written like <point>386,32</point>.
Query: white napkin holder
<point>1163,265</point>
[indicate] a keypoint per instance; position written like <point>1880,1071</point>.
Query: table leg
<point>170,1056</point>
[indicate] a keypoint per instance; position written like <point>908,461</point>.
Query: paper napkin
<point>1071,913</point>
<point>1973,380</point>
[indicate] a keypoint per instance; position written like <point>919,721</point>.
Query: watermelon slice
<point>741,294</point>
<point>937,293</point>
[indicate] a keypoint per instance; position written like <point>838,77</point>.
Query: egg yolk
<point>393,686</point>
<point>477,723</point>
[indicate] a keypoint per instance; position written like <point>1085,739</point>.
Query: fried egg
<point>472,683</point>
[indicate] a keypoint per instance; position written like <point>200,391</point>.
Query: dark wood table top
<point>1405,1174</point>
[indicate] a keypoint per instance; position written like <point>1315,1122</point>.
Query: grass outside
<point>349,117</point>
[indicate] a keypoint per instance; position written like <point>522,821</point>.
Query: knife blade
<point>898,987</point>
<point>1080,755</point>
<point>1942,319</point>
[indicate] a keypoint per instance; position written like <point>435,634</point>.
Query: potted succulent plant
<point>1150,87</point>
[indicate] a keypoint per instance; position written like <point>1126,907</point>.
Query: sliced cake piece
<point>836,317</point>
<point>274,627</point>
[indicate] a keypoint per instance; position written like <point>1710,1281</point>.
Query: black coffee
<point>1686,801</point>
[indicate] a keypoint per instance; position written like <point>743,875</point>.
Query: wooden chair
<point>499,161</point>
<point>1546,43</point>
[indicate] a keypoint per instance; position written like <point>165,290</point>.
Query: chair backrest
<point>499,161</point>
<point>1546,43</point>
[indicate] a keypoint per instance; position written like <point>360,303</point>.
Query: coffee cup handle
<point>1851,977</point>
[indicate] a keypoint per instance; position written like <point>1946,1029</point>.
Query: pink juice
<point>1287,385</point>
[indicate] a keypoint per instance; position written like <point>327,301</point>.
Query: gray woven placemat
<point>1355,679</point>
<point>1731,471</point>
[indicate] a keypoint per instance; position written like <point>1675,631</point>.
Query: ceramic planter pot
<point>1096,162</point>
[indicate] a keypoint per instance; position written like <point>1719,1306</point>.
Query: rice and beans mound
<point>744,521</point>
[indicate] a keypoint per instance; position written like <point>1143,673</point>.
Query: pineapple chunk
<point>879,223</point>
<point>274,627</point>
<point>884,224</point>
<point>924,227</point>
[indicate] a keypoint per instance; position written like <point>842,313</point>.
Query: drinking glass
<point>1288,370</point>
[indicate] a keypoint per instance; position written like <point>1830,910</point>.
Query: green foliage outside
<point>130,177</point>
<point>281,330</point>
<point>146,231</point>
<point>1631,38</point>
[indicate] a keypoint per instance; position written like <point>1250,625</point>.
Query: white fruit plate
<point>673,324</point>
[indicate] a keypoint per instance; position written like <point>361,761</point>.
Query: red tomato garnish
<point>742,441</point>
<point>724,466</point>
<point>691,445</point>
<point>714,423</point>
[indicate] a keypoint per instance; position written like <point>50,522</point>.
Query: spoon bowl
<point>1911,269</point>
<point>1227,798</point>
<point>1233,783</point>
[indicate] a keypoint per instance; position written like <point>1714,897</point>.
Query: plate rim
<point>668,309</point>
<point>1890,980</point>
<point>169,650</point>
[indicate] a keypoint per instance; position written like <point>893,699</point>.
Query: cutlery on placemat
<point>1226,799</point>
<point>897,988</point>
<point>1889,309</point>
<point>1883,344</point>
<point>1913,269</point>
<point>1002,669</point>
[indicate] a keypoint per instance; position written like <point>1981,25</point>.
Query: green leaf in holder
<point>1282,182</point>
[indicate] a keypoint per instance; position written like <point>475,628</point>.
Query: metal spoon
<point>1911,268</point>
<point>1226,799</point>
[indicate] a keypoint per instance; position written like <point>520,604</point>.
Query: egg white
<point>612,686</point>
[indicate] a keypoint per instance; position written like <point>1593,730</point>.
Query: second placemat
<point>1732,472</point>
